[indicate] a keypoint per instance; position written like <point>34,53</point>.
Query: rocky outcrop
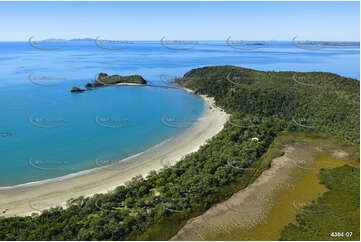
<point>76,90</point>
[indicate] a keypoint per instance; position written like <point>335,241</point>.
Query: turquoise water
<point>47,132</point>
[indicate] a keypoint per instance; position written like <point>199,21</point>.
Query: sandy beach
<point>33,198</point>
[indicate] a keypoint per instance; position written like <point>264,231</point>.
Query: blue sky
<point>335,21</point>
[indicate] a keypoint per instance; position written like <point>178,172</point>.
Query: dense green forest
<point>261,104</point>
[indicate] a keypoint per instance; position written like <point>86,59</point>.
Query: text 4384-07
<point>341,234</point>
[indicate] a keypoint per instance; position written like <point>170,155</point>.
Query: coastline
<point>33,197</point>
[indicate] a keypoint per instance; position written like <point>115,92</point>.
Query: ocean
<point>46,132</point>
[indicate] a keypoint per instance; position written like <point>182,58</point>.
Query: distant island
<point>104,79</point>
<point>329,43</point>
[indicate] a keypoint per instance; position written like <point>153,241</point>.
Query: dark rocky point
<point>76,89</point>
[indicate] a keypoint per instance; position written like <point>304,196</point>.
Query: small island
<point>104,79</point>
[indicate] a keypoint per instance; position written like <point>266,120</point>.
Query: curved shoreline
<point>25,199</point>
<point>79,173</point>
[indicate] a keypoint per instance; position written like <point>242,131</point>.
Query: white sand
<point>24,200</point>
